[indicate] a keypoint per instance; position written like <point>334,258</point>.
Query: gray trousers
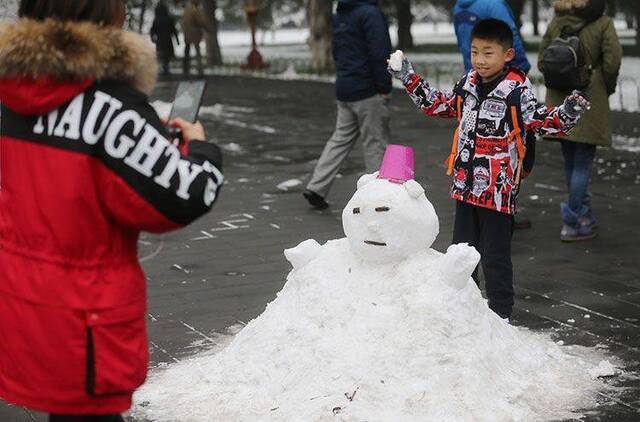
<point>367,119</point>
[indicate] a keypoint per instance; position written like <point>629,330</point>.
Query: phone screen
<point>188,100</point>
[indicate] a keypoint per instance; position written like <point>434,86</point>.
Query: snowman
<point>377,326</point>
<point>389,221</point>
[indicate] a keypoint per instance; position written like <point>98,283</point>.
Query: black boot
<point>315,200</point>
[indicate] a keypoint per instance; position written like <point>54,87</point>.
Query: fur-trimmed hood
<point>588,10</point>
<point>75,52</point>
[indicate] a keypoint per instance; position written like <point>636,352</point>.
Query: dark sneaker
<point>581,231</point>
<point>521,224</point>
<point>315,200</point>
<point>591,221</point>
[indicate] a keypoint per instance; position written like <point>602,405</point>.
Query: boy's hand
<point>576,104</point>
<point>404,73</point>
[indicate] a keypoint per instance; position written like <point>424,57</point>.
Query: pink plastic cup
<point>398,164</point>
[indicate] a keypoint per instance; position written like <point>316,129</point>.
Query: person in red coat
<point>85,166</point>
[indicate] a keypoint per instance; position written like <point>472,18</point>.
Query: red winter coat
<point>84,167</point>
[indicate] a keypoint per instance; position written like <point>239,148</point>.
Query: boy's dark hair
<point>493,30</point>
<point>102,12</point>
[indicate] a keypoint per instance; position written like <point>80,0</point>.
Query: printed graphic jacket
<point>489,143</point>
<point>85,165</point>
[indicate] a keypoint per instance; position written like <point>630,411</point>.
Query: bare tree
<point>143,10</point>
<point>637,25</point>
<point>517,6</point>
<point>320,34</point>
<point>214,55</point>
<point>405,20</point>
<point>535,16</point>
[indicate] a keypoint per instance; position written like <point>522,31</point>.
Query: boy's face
<point>489,57</point>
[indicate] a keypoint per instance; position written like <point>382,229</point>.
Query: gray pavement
<point>224,269</point>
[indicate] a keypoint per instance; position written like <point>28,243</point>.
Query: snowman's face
<point>387,222</point>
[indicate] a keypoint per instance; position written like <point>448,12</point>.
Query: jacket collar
<point>512,74</point>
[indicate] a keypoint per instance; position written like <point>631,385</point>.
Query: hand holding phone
<point>188,131</point>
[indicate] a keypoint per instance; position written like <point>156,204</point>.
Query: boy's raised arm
<point>429,100</point>
<point>552,121</point>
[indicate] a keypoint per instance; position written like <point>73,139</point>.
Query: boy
<point>494,105</point>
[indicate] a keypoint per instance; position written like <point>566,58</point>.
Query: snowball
<point>395,61</point>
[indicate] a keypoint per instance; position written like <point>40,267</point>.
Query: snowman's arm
<point>458,264</point>
<point>302,254</point>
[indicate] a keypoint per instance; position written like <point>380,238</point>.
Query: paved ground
<point>224,269</point>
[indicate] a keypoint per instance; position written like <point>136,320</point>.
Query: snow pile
<point>350,338</point>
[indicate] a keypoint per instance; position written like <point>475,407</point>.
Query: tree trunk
<point>637,27</point>
<point>535,16</point>
<point>143,9</point>
<point>320,34</point>
<point>405,19</point>
<point>517,6</point>
<point>214,56</point>
<point>612,8</point>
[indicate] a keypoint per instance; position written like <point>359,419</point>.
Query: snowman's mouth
<point>371,242</point>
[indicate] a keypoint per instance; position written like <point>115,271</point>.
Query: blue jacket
<point>469,12</point>
<point>361,47</point>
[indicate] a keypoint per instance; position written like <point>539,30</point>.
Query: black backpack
<point>564,62</point>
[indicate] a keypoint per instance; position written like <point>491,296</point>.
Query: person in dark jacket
<point>599,39</point>
<point>163,31</point>
<point>361,46</point>
<point>467,13</point>
<point>86,166</point>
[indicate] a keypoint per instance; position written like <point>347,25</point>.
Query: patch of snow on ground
<point>624,143</point>
<point>232,147</point>
<point>289,184</point>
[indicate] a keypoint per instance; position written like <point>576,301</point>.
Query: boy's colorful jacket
<point>489,143</point>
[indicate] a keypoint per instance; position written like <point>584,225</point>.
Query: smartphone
<point>188,100</point>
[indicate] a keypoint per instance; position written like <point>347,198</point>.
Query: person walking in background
<point>603,55</point>
<point>193,27</point>
<point>361,45</point>
<point>86,166</point>
<point>467,13</point>
<point>163,31</point>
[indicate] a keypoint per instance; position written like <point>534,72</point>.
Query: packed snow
<point>378,326</point>
<point>395,61</point>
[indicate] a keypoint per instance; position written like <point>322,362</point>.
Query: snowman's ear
<point>414,188</point>
<point>366,179</point>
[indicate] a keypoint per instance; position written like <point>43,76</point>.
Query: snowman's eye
<point>382,209</point>
<point>356,210</point>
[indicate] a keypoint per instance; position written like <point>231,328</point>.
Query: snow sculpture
<point>378,326</point>
<point>389,219</point>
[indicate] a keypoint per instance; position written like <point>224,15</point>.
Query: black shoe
<point>522,224</point>
<point>315,200</point>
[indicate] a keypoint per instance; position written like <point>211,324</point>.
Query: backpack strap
<point>516,134</point>
<point>456,136</point>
